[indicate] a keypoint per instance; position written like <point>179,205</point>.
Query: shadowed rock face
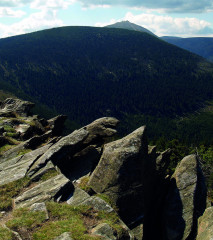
<point>120,172</point>
<point>185,200</point>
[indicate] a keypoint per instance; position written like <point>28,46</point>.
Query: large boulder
<point>120,174</point>
<point>205,227</point>
<point>76,154</point>
<point>186,200</point>
<point>11,106</point>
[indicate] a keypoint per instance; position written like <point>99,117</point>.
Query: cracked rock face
<point>17,168</point>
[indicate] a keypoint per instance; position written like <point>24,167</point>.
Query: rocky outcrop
<point>120,172</point>
<point>55,188</point>
<point>77,154</point>
<point>205,227</point>
<point>186,200</point>
<point>11,106</point>
<point>125,178</point>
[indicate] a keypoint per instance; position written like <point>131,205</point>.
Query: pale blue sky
<point>184,18</point>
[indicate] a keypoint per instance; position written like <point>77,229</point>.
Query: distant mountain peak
<point>129,26</point>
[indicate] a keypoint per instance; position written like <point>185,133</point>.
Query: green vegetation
<point>11,134</point>
<point>113,220</point>
<point>23,151</point>
<point>5,234</point>
<point>49,174</point>
<point>5,148</point>
<point>8,128</point>
<point>23,218</point>
<point>62,218</point>
<point>107,199</point>
<point>84,184</point>
<point>91,76</point>
<point>10,190</point>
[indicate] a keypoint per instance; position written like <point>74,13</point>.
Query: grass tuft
<point>23,218</point>
<point>84,184</point>
<point>49,174</point>
<point>10,190</point>
<point>5,234</point>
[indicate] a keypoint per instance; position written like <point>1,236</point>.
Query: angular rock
<point>138,232</point>
<point>64,148</point>
<point>32,143</point>
<point>18,167</point>
<point>15,172</point>
<point>98,204</point>
<point>73,155</point>
<point>186,200</point>
<point>57,124</point>
<point>205,227</point>
<point>11,106</point>
<point>40,173</point>
<point>64,236</point>
<point>12,153</point>
<point>100,129</point>
<point>105,231</point>
<point>120,172</point>
<point>78,197</point>
<point>55,188</point>
<point>39,207</point>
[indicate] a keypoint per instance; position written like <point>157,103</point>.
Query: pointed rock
<point>120,172</point>
<point>186,200</point>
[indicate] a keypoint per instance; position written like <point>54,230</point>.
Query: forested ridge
<point>89,72</point>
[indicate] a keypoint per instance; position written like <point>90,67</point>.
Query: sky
<point>182,18</point>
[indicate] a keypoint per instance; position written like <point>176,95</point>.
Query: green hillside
<point>88,72</point>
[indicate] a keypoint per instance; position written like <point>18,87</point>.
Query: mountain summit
<point>129,26</point>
